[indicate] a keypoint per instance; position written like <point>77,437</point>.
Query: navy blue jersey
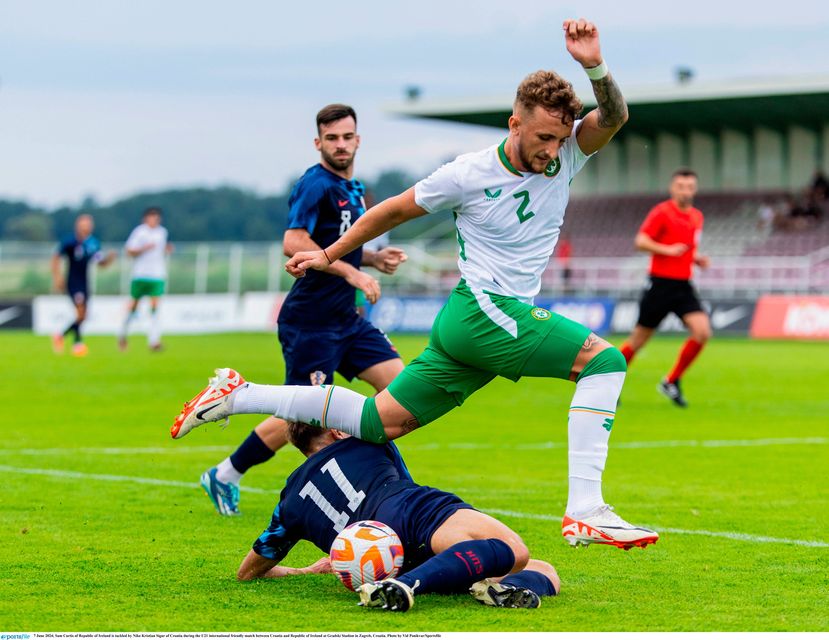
<point>325,205</point>
<point>345,482</point>
<point>78,254</point>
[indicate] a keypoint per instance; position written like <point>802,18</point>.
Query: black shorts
<point>664,296</point>
<point>415,514</point>
<point>312,353</point>
<point>78,293</point>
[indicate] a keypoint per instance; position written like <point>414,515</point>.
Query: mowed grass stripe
<point>656,444</point>
<point>748,457</point>
<point>76,475</point>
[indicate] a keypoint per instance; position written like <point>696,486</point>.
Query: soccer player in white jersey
<point>509,203</point>
<point>148,246</point>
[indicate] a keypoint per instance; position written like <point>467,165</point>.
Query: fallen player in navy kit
<point>449,547</point>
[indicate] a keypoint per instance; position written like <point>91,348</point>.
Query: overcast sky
<point>106,99</point>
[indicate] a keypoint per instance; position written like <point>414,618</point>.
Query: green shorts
<point>477,336</point>
<point>143,287</point>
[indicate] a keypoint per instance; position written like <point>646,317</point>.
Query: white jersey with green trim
<point>507,222</point>
<point>152,263</point>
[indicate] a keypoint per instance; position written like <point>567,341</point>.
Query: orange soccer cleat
<point>211,404</point>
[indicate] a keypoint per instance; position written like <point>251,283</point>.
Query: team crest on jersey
<point>492,195</point>
<point>541,314</point>
<point>552,168</point>
<point>317,377</point>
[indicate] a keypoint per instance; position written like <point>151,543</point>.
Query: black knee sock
<point>532,580</point>
<point>460,566</point>
<point>74,328</point>
<point>250,453</point>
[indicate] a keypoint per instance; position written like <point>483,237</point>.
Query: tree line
<point>195,214</point>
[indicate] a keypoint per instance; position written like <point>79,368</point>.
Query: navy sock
<point>460,566</point>
<point>250,453</point>
<point>74,328</point>
<point>532,580</point>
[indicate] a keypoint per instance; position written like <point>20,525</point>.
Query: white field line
<point>105,477</point>
<point>731,535</point>
<point>654,444</point>
<point>77,475</point>
<point>430,446</point>
<point>114,451</point>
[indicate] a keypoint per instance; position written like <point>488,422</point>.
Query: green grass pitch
<point>87,545</point>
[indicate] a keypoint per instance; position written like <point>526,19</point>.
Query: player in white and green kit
<point>148,246</point>
<point>509,202</point>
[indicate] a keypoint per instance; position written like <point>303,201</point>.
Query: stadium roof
<point>679,108</point>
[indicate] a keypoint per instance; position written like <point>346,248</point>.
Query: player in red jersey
<point>671,234</point>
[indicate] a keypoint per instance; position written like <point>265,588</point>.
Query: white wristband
<point>597,73</point>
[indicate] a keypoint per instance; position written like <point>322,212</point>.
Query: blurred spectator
<point>820,186</point>
<point>564,251</point>
<point>766,214</point>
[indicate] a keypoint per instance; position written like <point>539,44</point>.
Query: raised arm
<point>600,125</point>
<point>374,222</point>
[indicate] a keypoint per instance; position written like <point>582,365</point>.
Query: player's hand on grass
<point>365,283</point>
<point>58,286</point>
<point>582,40</point>
<point>388,259</point>
<point>323,565</point>
<point>301,261</point>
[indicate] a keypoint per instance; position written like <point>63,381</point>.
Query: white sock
<point>154,334</point>
<point>226,472</point>
<point>126,328</point>
<point>592,412</point>
<point>325,405</point>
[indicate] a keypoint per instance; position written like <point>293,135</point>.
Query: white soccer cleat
<point>209,405</point>
<point>603,526</point>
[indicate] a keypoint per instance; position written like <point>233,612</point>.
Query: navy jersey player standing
<point>80,248</point>
<point>319,328</point>
<point>448,546</point>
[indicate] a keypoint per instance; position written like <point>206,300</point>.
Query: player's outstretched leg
<point>328,406</point>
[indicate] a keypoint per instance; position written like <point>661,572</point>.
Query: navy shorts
<point>78,293</point>
<point>415,514</point>
<point>348,350</point>
<point>664,296</point>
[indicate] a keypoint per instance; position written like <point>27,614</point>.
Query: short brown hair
<point>684,172</point>
<point>550,91</point>
<point>302,435</point>
<point>334,112</point>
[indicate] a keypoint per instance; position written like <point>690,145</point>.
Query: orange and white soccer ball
<point>366,551</point>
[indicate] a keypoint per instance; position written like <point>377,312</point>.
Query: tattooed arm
<point>598,126</point>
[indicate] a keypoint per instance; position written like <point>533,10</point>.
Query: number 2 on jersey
<point>355,498</point>
<point>524,196</point>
